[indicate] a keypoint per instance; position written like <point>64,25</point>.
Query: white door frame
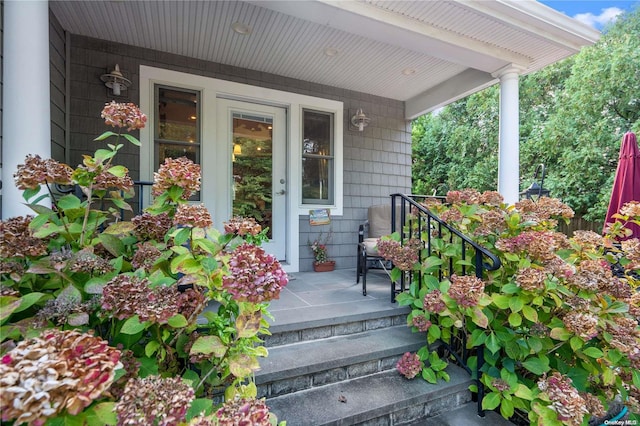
<point>211,89</point>
<point>226,107</point>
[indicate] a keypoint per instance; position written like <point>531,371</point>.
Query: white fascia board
<point>539,20</point>
<point>458,87</point>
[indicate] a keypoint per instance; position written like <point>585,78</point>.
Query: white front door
<point>256,136</point>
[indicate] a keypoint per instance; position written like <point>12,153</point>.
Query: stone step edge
<point>372,397</point>
<point>309,331</point>
<point>313,356</point>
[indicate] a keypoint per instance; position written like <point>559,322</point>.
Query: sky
<point>596,13</point>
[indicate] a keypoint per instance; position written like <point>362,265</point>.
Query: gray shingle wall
<point>57,87</point>
<point>377,161</point>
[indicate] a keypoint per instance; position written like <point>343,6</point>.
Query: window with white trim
<point>177,126</point>
<point>318,158</point>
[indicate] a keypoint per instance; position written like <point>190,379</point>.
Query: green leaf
<point>148,367</point>
<point>506,408</point>
<point>131,139</point>
<point>200,406</point>
<point>478,337</point>
<point>105,135</point>
<point>248,323</point>
<point>118,171</point>
<point>151,348</point>
<point>8,304</point>
<point>491,401</point>
<point>593,352</point>
<point>500,300</point>
<point>524,392</point>
<point>576,343</point>
<point>530,313</point>
<point>510,288</point>
<point>182,236</point>
<point>429,375</point>
<point>102,414</point>
<point>177,321</point>
<point>560,333</point>
<point>515,319</point>
<point>133,325</point>
<point>69,201</point>
<point>479,318</point>
<point>536,365</point>
<point>516,304</point>
<point>492,343</point>
<point>112,243</point>
<point>209,345</point>
<point>70,294</point>
<point>396,274</point>
<point>27,301</point>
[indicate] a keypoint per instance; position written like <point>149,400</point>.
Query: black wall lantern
<point>536,189</point>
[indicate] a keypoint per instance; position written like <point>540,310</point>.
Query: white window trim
<point>211,89</point>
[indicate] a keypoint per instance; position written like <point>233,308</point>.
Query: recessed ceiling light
<point>240,28</point>
<point>331,51</point>
<point>408,71</point>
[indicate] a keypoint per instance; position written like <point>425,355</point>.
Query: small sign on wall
<point>319,217</point>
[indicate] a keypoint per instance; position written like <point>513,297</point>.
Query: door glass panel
<point>253,168</point>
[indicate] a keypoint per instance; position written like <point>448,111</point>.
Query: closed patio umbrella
<point>626,185</point>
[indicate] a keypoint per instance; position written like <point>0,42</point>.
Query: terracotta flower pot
<point>327,266</point>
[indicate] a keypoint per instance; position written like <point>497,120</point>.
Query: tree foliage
<point>572,118</point>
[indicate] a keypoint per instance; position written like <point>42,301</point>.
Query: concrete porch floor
<point>325,298</point>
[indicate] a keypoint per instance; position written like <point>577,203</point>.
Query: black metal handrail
<point>415,217</point>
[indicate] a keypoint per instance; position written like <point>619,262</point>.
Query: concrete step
<point>320,322</point>
<point>299,366</point>
<point>385,398</point>
<point>466,415</point>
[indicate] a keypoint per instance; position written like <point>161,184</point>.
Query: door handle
<point>281,192</point>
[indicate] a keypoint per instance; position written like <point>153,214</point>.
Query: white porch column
<point>509,140</point>
<point>26,123</point>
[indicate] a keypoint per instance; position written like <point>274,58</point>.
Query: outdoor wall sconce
<point>536,190</point>
<point>359,120</point>
<point>115,81</point>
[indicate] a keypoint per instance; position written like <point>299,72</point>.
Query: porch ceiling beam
<point>458,87</point>
<point>368,21</point>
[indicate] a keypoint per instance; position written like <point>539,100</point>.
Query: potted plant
<point>557,327</point>
<point>321,262</point>
<point>103,320</point>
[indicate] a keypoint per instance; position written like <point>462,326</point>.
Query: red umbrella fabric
<point>626,185</point>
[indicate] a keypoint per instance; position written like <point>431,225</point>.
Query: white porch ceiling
<point>455,47</point>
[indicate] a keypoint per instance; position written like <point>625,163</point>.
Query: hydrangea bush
<point>557,323</point>
<point>142,321</point>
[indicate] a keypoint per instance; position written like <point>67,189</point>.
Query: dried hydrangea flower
<point>242,226</point>
<point>468,196</point>
<point>107,180</point>
<point>452,215</point>
<point>243,411</point>
<point>146,255</point>
<point>151,227</point>
<point>631,209</point>
<point>492,198</point>
<point>433,302</point>
<point>43,376</point>
<point>62,310</point>
<point>89,263</point>
<point>123,115</point>
<point>500,385</point>
<point>404,257</point>
<point>35,172</point>
<point>125,296</point>
<point>180,172</point>
<point>421,323</point>
<point>583,324</point>
<point>531,279</point>
<point>593,404</point>
<point>154,400</point>
<point>625,335</point>
<point>409,365</point>
<point>255,276</point>
<point>631,250</point>
<point>131,367</point>
<point>17,240</point>
<point>538,245</point>
<point>466,290</point>
<point>588,240</point>
<point>565,399</point>
<point>192,215</point>
<point>493,222</point>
